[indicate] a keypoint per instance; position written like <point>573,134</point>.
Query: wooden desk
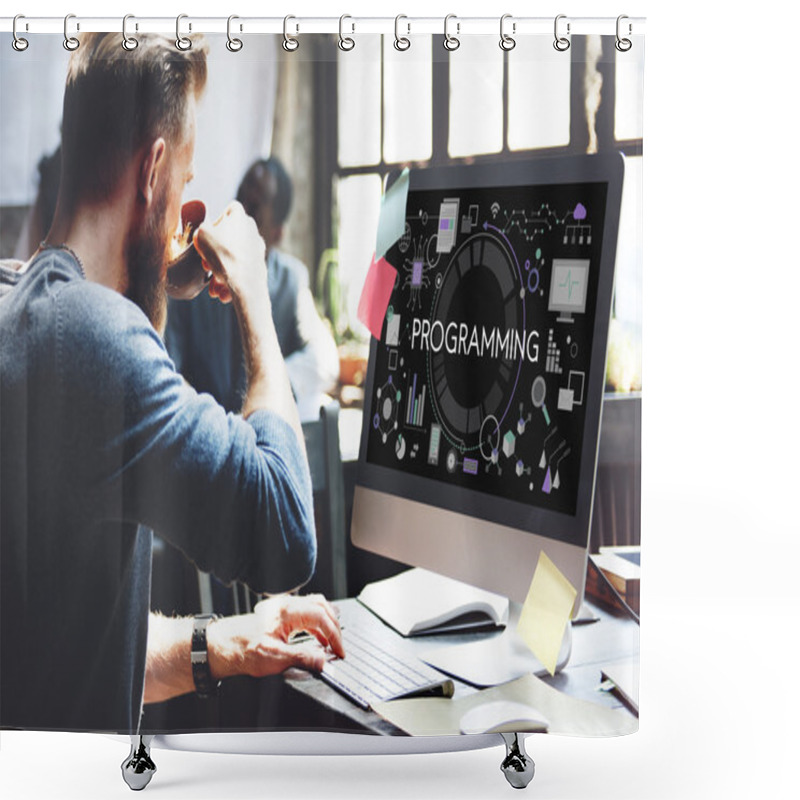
<point>612,640</point>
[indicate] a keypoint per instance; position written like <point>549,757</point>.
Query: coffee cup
<point>187,276</point>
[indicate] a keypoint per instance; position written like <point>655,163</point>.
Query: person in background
<point>203,337</point>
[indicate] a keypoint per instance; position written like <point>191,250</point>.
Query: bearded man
<point>102,442</point>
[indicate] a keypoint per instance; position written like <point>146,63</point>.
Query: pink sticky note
<point>375,295</point>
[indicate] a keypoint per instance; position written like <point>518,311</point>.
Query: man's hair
<point>117,101</point>
<point>257,184</point>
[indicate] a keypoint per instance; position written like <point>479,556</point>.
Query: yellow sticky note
<point>546,612</point>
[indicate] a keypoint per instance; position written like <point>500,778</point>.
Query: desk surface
<point>611,641</point>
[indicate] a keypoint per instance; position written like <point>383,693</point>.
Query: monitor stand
<point>477,653</point>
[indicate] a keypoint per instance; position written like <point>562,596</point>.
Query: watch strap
<point>204,684</point>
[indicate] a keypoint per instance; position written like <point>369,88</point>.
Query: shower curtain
<point>433,223</point>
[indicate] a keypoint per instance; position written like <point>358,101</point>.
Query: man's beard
<point>146,254</point>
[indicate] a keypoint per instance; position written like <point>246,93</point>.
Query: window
<point>428,106</point>
<point>476,98</point>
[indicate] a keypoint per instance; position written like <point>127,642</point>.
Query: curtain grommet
<point>623,44</point>
<point>401,43</point>
<point>290,43</point>
<point>451,42</point>
<point>561,43</point>
<point>71,43</point>
<point>128,42</point>
<point>346,43</point>
<point>18,42</point>
<point>182,42</point>
<point>233,44</point>
<point>507,42</point>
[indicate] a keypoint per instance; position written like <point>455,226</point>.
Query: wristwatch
<point>204,684</point>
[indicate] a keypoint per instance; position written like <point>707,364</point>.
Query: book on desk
<point>418,602</point>
<point>621,567</point>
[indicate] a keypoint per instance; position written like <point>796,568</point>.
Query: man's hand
<point>246,644</point>
<point>235,253</point>
<point>258,644</point>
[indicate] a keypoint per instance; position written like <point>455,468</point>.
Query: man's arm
<point>246,644</point>
<point>235,252</point>
<point>234,495</point>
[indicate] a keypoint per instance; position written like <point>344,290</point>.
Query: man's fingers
<point>315,618</point>
<point>308,655</point>
<point>206,246</point>
<point>220,290</point>
<point>329,608</point>
<point>284,615</point>
<point>332,623</point>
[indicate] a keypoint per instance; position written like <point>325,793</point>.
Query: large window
<point>429,106</point>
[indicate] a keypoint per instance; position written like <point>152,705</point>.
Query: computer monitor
<point>483,396</point>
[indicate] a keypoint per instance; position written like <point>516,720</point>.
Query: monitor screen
<point>488,339</point>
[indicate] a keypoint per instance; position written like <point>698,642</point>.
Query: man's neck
<point>97,235</point>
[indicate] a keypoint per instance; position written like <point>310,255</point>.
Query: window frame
<point>327,125</point>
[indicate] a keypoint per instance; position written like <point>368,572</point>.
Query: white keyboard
<point>377,667</point>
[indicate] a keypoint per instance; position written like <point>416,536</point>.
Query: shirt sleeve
<point>234,495</point>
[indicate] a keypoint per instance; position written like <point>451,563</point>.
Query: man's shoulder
<point>100,324</point>
<point>91,302</point>
<point>51,290</point>
<point>58,275</point>
<point>88,308</point>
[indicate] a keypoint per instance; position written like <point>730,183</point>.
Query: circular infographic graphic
<point>479,293</point>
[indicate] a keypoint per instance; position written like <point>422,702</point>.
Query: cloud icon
<point>579,212</point>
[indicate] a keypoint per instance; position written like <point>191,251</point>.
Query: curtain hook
<point>346,43</point>
<point>623,44</point>
<point>128,42</point>
<point>233,44</point>
<point>451,42</point>
<point>507,42</point>
<point>182,42</point>
<point>18,43</point>
<point>70,42</point>
<point>290,43</point>
<point>561,43</point>
<point>401,42</point>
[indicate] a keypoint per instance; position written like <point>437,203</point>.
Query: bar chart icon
<point>415,411</point>
<point>433,447</point>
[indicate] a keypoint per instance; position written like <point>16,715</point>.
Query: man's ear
<point>152,169</point>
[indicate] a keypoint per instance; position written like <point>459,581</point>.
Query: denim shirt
<point>101,440</point>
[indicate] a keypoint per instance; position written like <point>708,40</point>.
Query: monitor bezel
<point>566,528</point>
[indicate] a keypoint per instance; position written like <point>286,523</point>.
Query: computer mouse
<point>503,716</point>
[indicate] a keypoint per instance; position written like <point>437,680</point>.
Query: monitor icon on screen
<point>568,287</point>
